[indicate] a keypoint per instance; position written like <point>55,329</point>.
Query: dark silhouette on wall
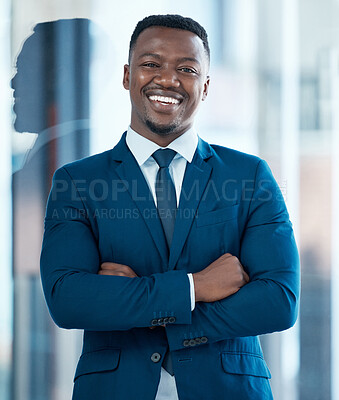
<point>51,92</point>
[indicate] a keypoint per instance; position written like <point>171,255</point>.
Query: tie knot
<point>163,157</point>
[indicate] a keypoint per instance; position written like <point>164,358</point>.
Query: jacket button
<point>154,322</point>
<point>166,320</point>
<point>198,340</point>
<point>192,342</point>
<point>171,320</point>
<point>204,339</point>
<point>186,343</point>
<point>155,357</point>
<point>160,321</point>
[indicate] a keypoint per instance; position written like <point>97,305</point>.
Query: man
<point>171,254</point>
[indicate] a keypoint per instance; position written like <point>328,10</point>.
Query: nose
<point>167,77</point>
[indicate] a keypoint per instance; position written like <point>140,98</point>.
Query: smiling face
<point>167,79</point>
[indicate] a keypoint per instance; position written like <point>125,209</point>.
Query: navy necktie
<point>167,206</point>
<point>165,192</point>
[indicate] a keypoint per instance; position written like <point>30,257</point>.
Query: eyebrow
<point>182,59</point>
<point>154,55</point>
<point>192,59</point>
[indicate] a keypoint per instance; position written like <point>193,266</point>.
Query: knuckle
<point>240,276</point>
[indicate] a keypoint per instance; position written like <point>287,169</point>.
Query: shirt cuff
<point>192,292</point>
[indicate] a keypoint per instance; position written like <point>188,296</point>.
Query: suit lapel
<point>130,174</point>
<point>195,180</point>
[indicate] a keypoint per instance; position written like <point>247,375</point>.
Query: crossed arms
<point>222,278</point>
<point>229,301</point>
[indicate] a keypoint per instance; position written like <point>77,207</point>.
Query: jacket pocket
<point>245,364</point>
<point>217,216</point>
<point>98,361</point>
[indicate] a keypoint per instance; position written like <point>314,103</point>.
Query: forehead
<point>169,41</point>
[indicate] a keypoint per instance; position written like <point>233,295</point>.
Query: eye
<point>187,70</point>
<point>150,65</point>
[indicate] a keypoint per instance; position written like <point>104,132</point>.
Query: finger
<point>246,277</point>
<point>109,265</point>
<point>226,256</point>
<point>129,271</point>
<point>112,273</point>
<point>106,272</point>
<point>114,267</point>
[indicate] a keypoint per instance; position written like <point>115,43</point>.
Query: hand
<point>115,269</point>
<point>224,277</point>
<point>108,268</point>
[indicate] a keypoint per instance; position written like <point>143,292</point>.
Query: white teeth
<point>163,99</point>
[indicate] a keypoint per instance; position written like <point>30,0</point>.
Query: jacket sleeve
<point>269,254</point>
<point>77,296</point>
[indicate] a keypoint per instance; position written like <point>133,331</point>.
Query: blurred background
<point>274,92</point>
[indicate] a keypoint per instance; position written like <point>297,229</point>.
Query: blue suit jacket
<point>100,209</point>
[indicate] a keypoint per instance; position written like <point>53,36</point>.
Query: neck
<point>160,140</point>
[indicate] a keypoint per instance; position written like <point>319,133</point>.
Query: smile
<point>164,100</point>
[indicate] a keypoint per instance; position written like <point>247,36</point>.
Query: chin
<point>25,127</point>
<point>161,130</point>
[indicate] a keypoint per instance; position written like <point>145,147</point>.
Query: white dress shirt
<point>142,150</point>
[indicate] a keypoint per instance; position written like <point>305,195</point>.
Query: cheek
<point>139,80</point>
<point>196,97</point>
<point>195,90</point>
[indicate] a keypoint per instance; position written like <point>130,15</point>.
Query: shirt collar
<point>142,148</point>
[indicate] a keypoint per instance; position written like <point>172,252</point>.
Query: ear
<point>206,87</point>
<point>125,80</point>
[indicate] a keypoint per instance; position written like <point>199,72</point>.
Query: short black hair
<point>169,21</point>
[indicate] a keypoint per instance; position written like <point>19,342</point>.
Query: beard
<point>160,129</point>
